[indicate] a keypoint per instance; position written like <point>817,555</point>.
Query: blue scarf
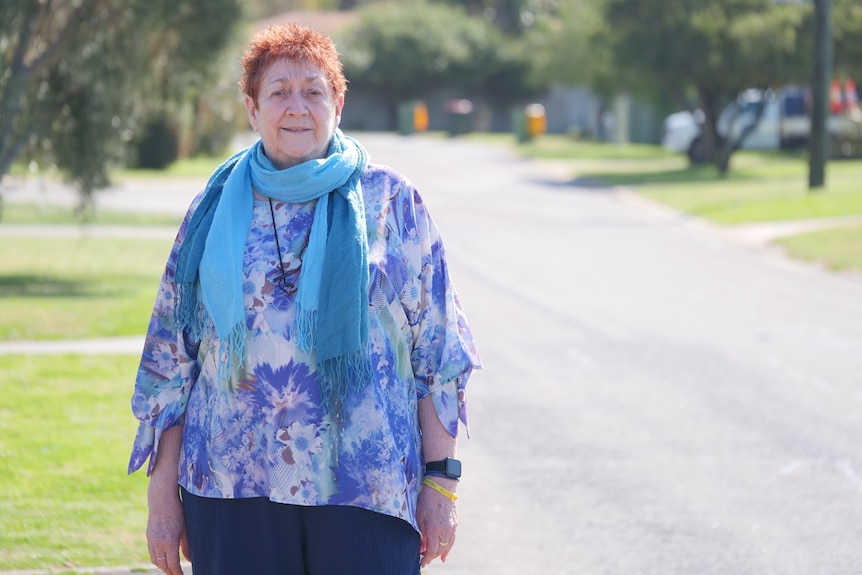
<point>332,292</point>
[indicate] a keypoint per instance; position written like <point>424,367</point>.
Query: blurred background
<point>694,403</point>
<point>91,85</point>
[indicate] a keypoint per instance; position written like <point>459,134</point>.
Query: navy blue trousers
<point>258,537</point>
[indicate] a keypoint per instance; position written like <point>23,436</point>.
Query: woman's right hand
<point>166,524</point>
<point>166,527</point>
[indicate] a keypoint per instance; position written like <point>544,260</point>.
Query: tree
<point>81,76</point>
<point>404,51</point>
<point>847,31</point>
<point>712,51</point>
<point>514,17</point>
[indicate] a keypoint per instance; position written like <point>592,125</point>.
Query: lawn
<point>66,430</point>
<point>85,287</point>
<point>760,187</point>
<point>31,213</point>
<point>843,246</point>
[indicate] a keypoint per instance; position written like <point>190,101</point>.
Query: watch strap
<point>445,468</point>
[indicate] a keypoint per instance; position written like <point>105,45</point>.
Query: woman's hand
<point>438,521</point>
<point>166,524</point>
<point>166,528</point>
<point>435,513</point>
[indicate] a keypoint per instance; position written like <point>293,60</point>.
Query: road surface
<point>657,398</point>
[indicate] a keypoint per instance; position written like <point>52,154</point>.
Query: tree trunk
<point>708,140</point>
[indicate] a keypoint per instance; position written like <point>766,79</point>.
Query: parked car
<point>784,124</point>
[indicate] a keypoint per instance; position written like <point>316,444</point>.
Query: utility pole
<point>821,78</point>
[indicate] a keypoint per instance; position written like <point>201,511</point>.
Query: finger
<point>184,545</point>
<point>173,563</point>
<point>423,550</point>
<point>160,560</point>
<point>442,548</point>
<point>432,551</point>
<point>447,549</point>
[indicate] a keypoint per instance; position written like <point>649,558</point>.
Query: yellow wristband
<point>439,489</point>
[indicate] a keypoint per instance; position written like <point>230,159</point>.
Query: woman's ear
<point>339,106</point>
<point>252,112</point>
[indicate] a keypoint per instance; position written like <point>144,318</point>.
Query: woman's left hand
<point>438,521</point>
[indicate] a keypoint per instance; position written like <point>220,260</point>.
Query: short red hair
<point>292,42</point>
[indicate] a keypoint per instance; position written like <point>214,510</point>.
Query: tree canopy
<point>708,52</point>
<point>701,55</point>
<point>405,51</point>
<point>847,31</point>
<point>82,76</point>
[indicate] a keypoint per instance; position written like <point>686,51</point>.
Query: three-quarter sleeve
<point>167,371</point>
<point>444,353</point>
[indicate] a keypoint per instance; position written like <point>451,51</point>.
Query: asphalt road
<point>658,398</point>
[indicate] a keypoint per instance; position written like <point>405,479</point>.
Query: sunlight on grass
<point>27,213</point>
<point>838,249</point>
<point>553,146</point>
<point>763,192</point>
<point>760,186</point>
<point>78,288</point>
<point>65,434</point>
<point>197,167</point>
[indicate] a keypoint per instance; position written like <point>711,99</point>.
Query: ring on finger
<point>443,543</point>
<point>161,557</point>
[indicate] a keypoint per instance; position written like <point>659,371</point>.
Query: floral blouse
<point>268,435</point>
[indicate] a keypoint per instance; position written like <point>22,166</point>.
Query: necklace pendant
<point>286,280</point>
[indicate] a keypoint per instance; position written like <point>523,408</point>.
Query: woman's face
<point>296,113</point>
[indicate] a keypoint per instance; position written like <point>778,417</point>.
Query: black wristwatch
<point>448,467</point>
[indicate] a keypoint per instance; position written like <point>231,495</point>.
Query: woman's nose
<point>295,104</point>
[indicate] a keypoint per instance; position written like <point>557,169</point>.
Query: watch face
<point>453,467</point>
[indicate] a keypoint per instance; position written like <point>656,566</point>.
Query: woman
<point>304,368</point>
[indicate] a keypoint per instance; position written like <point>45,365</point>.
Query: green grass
<point>838,249</point>
<point>78,288</point>
<point>555,147</point>
<point>66,430</point>
<point>561,147</point>
<point>760,187</point>
<point>26,213</point>
<point>197,167</point>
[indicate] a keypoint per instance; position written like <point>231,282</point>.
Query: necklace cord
<point>286,286</point>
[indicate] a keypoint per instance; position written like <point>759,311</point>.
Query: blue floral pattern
<point>268,435</point>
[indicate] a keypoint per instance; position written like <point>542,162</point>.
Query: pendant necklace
<point>286,279</point>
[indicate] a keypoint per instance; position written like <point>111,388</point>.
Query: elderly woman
<point>304,368</point>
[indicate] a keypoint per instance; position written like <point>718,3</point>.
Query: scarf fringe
<point>232,349</point>
<point>339,375</point>
<point>306,327</point>
<point>185,313</point>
